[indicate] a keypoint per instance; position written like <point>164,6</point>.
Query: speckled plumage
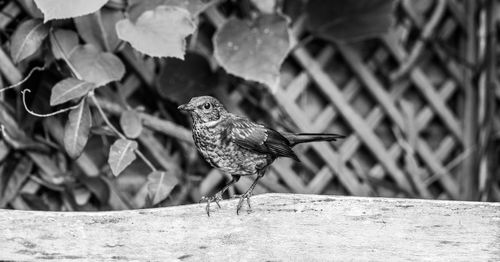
<point>219,149</point>
<point>237,145</point>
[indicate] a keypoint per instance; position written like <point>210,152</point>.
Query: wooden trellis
<point>353,89</point>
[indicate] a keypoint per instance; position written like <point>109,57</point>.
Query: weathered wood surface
<point>282,227</point>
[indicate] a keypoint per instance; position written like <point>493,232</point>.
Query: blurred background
<point>417,104</point>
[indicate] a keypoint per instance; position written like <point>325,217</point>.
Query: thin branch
<point>166,127</point>
<point>45,115</point>
<point>148,163</point>
<point>24,80</point>
<point>120,135</point>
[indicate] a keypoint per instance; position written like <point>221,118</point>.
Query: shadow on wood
<point>282,227</point>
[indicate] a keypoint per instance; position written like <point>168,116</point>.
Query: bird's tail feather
<point>310,137</point>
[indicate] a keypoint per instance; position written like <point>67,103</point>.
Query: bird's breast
<point>229,157</point>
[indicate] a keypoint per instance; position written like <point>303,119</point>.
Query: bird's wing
<point>257,138</point>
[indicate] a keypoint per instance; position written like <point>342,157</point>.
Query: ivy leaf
<point>67,40</point>
<point>27,39</point>
<point>96,67</point>
<point>348,21</point>
<point>76,131</point>
<point>99,30</point>
<point>253,50</point>
<point>69,89</point>
<point>194,7</point>
<point>60,9</point>
<point>121,154</point>
<point>131,123</point>
<point>180,80</point>
<point>160,184</point>
<point>159,33</point>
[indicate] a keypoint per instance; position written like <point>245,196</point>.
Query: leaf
<point>99,30</point>
<point>77,129</point>
<point>159,33</point>
<point>180,80</point>
<point>14,135</point>
<point>30,7</point>
<point>294,10</point>
<point>131,123</point>
<point>67,40</point>
<point>338,20</point>
<point>194,7</point>
<point>97,186</point>
<point>17,177</point>
<point>27,39</point>
<point>81,195</point>
<point>4,150</point>
<point>60,9</point>
<point>421,6</point>
<point>69,89</point>
<point>30,187</point>
<point>265,6</point>
<point>96,67</point>
<point>160,184</point>
<point>121,154</point>
<point>253,50</point>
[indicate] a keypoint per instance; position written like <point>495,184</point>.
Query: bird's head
<point>204,109</point>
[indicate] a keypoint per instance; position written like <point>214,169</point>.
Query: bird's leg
<point>248,193</point>
<point>218,196</point>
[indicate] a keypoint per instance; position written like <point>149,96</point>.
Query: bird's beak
<point>185,108</point>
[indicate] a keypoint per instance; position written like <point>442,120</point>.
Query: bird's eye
<point>207,105</point>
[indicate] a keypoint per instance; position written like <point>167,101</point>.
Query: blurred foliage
<point>79,133</point>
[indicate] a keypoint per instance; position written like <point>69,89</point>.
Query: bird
<point>238,146</point>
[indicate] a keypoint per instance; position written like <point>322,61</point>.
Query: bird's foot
<point>215,198</point>
<point>246,196</point>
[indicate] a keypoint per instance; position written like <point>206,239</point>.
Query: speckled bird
<point>238,146</point>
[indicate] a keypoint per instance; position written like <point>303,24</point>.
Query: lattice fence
<point>399,98</point>
<point>404,116</point>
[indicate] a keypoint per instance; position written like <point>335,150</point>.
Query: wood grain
<point>281,227</point>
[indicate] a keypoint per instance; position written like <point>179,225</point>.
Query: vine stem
<point>49,114</point>
<point>37,68</point>
<point>120,135</point>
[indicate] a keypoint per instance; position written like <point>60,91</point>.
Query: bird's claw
<point>215,198</point>
<point>246,196</point>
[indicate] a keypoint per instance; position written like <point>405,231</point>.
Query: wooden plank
<point>281,227</point>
